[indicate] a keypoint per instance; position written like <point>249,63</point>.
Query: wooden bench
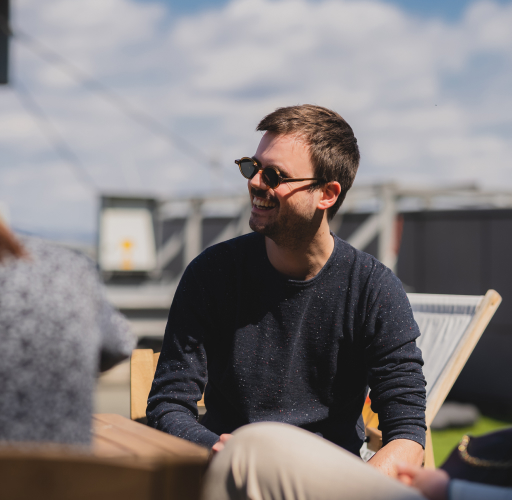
<point>51,472</point>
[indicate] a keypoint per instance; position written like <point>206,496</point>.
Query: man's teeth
<point>263,203</point>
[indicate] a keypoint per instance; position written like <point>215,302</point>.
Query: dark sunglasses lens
<point>270,177</point>
<point>248,169</point>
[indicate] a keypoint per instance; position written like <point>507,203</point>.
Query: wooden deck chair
<point>142,372</point>
<point>450,327</point>
<point>61,473</point>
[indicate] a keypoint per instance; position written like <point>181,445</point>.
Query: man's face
<point>289,212</point>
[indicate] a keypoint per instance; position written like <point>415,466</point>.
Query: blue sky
<point>449,10</point>
<point>425,85</point>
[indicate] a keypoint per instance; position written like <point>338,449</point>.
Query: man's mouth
<point>263,204</point>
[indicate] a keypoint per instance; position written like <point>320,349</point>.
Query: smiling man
<point>290,323</point>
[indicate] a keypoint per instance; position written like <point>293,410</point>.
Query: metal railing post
<point>387,252</point>
<point>193,232</point>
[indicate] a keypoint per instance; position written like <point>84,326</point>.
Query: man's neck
<point>304,261</point>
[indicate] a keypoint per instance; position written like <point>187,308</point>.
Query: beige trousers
<point>271,461</point>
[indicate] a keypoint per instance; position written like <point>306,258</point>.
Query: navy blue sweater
<point>269,348</point>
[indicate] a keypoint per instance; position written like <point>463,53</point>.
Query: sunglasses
<point>271,176</point>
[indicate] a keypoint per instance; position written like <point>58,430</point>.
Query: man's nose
<point>257,181</point>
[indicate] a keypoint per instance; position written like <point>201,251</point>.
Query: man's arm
<point>395,376</point>
<point>399,450</point>
<point>181,374</point>
<point>117,339</point>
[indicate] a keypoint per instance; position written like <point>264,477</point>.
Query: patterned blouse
<point>56,330</point>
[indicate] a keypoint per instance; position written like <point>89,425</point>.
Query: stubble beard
<point>286,230</point>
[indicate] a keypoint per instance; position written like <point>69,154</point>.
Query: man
<point>290,323</point>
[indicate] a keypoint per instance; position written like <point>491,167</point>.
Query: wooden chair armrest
<point>375,439</point>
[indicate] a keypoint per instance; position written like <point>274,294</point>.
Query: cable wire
<point>92,84</point>
<point>52,134</point>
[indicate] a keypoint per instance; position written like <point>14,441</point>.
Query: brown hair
<point>9,245</point>
<point>332,145</point>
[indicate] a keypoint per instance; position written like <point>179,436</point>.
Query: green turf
<point>446,440</point>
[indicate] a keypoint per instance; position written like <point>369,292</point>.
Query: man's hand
<point>219,445</point>
<point>398,450</point>
<point>432,484</point>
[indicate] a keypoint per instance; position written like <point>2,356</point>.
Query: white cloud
<point>428,100</point>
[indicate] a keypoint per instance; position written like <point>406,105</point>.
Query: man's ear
<point>330,193</point>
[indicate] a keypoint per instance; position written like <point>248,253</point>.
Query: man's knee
<point>258,447</point>
<point>237,470</point>
<point>260,441</point>
<point>264,449</point>
<point>266,431</point>
<point>252,464</point>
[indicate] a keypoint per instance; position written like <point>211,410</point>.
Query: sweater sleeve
<point>118,340</point>
<point>394,361</point>
<point>464,490</point>
<point>181,374</point>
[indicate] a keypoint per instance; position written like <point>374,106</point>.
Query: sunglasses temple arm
<point>298,180</point>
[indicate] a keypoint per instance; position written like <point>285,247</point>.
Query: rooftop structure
<point>145,243</point>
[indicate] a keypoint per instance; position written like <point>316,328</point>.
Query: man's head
<point>313,153</point>
<point>332,146</point>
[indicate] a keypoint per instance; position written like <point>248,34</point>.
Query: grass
<point>444,441</point>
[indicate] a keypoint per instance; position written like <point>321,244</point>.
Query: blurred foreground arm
<point>436,485</point>
<point>117,339</point>
<point>433,484</point>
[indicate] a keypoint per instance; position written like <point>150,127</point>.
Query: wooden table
<point>179,465</point>
<point>129,461</point>
<point>117,436</point>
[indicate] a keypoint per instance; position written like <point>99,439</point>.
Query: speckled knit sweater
<point>56,330</point>
<point>269,348</point>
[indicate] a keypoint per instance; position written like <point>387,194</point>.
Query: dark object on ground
<point>486,459</point>
<point>454,414</point>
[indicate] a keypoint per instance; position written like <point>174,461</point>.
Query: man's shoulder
<point>218,266</point>
<point>46,254</point>
<point>363,267</point>
<point>356,259</point>
<point>229,252</point>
